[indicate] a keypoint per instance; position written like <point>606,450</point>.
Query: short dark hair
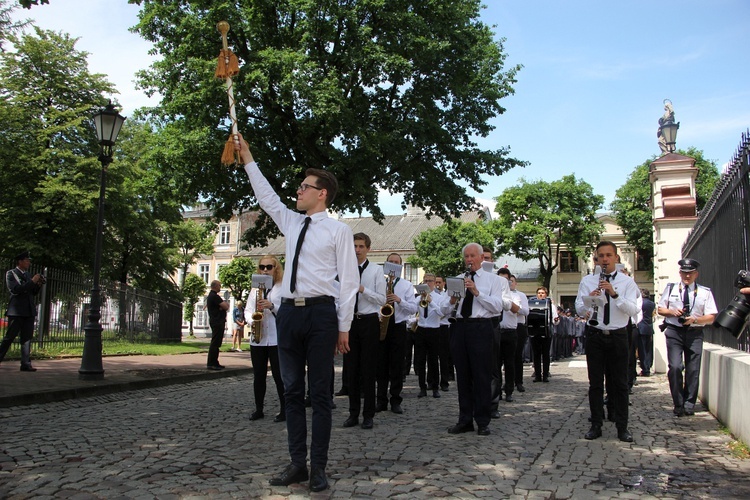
<point>363,237</point>
<point>397,255</point>
<point>505,272</point>
<point>605,243</point>
<point>326,180</point>
<point>486,249</point>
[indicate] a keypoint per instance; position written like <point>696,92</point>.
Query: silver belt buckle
<point>299,302</point>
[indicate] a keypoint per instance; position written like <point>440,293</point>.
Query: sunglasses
<point>264,267</point>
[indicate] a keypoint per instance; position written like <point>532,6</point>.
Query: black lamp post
<point>108,123</point>
<point>669,129</point>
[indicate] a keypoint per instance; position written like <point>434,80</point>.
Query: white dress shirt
<point>620,309</point>
<point>523,301</point>
<point>701,301</point>
<point>373,297</point>
<point>327,251</point>
<point>408,305</point>
<point>434,311</point>
<point>268,325</point>
<point>494,296</point>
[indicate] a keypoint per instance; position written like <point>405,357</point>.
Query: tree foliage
<point>386,95</point>
<point>237,277</point>
<point>438,250</point>
<point>536,219</point>
<point>193,289</point>
<point>632,203</point>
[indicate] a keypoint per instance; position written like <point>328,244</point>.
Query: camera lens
<point>733,316</point>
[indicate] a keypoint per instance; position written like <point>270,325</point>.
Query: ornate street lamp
<point>108,123</point>
<point>669,129</point>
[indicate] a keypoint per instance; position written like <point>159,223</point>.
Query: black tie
<point>686,300</point>
<point>425,311</point>
<point>356,299</point>
<point>301,238</point>
<point>466,307</point>
<point>606,306</point>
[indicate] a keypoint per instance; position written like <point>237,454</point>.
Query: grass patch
<point>736,447</point>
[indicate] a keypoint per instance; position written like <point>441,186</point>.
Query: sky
<point>587,100</point>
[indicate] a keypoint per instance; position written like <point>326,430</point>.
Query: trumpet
<point>257,317</point>
<point>387,310</point>
<point>457,295</point>
<point>423,300</point>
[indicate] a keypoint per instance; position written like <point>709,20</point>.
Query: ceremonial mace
<point>226,68</point>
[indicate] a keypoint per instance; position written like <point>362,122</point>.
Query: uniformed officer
<point>687,307</point>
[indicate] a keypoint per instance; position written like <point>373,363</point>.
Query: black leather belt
<point>473,320</point>
<point>365,316</point>
<point>308,301</point>
<point>591,329</point>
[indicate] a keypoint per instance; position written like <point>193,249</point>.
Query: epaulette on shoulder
<point>704,287</point>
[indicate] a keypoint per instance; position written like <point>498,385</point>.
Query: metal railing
<point>720,240</point>
<point>127,313</point>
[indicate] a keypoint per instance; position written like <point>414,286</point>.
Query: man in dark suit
<point>21,308</point>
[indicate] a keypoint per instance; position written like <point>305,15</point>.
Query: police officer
<point>21,308</point>
<point>687,307</point>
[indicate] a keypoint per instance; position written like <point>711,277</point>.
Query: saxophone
<point>257,325</point>
<point>387,310</point>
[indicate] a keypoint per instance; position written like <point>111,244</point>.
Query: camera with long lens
<point>683,317</point>
<point>734,315</point>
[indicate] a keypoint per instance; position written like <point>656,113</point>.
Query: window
<point>224,234</point>
<point>411,273</point>
<point>644,260</point>
<point>218,269</point>
<point>568,262</point>
<point>203,272</point>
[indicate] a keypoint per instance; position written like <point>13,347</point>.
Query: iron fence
<point>127,313</point>
<point>719,240</point>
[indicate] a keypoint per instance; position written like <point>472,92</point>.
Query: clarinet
<point>594,321</point>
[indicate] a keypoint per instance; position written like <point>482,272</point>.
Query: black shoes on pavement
<point>594,432</point>
<point>461,428</point>
<point>215,367</point>
<point>367,423</point>
<point>281,417</point>
<point>625,436</point>
<point>27,368</point>
<point>397,409</point>
<point>293,474</point>
<point>484,431</point>
<point>520,388</point>
<point>422,393</point>
<point>257,415</point>
<point>351,422</point>
<point>318,479</point>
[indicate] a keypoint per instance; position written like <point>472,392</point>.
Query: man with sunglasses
<point>687,307</point>
<point>315,314</point>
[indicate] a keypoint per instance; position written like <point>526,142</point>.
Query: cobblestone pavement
<point>194,440</point>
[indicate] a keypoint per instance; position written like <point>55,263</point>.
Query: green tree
<point>193,289</point>
<point>49,149</point>
<point>388,95</point>
<point>438,250</point>
<point>536,219</point>
<point>632,203</point>
<point>237,277</point>
<point>7,25</point>
<point>191,241</point>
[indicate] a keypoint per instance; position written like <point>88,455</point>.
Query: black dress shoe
<point>444,387</point>
<point>381,407</point>
<point>215,367</point>
<point>495,414</point>
<point>367,423</point>
<point>281,417</point>
<point>256,415</point>
<point>509,398</point>
<point>422,393</point>
<point>291,474</point>
<point>679,411</point>
<point>545,379</point>
<point>27,368</point>
<point>397,409</point>
<point>484,431</point>
<point>594,432</point>
<point>689,412</point>
<point>461,428</point>
<point>537,379</point>
<point>342,392</point>
<point>318,479</point>
<point>625,436</point>
<point>520,388</point>
<point>351,421</point>
<point>435,393</point>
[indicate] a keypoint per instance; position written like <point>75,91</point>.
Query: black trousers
<point>390,373</point>
<point>23,325</point>
<point>426,344</point>
<point>444,356</point>
<point>471,348</point>
<point>632,350</point>
<point>364,338</point>
<point>521,336</point>
<point>261,356</point>
<point>684,352</point>
<point>217,336</point>
<point>540,347</point>
<point>307,336</point>
<point>503,354</point>
<point>608,355</point>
